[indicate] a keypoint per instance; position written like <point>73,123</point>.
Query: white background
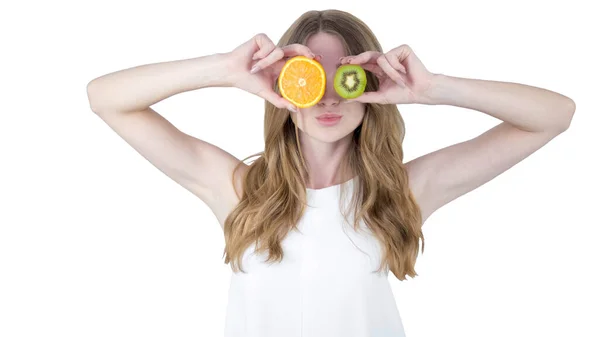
<point>94,241</point>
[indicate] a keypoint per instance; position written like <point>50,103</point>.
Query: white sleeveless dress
<point>325,286</point>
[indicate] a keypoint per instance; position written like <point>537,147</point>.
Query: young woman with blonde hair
<point>316,222</point>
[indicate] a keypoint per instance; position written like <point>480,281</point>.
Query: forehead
<point>328,45</point>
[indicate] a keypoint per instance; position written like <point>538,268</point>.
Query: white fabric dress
<point>324,286</point>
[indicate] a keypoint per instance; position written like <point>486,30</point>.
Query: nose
<point>330,97</point>
<point>330,100</point>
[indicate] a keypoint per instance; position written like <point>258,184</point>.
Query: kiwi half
<point>350,81</point>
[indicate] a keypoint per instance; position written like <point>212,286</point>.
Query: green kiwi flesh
<point>350,81</point>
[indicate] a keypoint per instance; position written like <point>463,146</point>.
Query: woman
<point>304,266</point>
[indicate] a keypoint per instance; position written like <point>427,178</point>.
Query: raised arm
<point>122,99</point>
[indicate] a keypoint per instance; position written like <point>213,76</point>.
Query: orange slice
<point>302,81</point>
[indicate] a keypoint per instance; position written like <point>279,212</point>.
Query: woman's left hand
<point>403,79</point>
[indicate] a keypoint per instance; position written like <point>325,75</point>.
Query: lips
<point>329,116</point>
<point>329,119</point>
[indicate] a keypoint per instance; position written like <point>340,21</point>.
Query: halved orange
<point>302,81</point>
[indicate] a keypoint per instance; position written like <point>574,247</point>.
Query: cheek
<point>356,121</point>
<point>299,119</point>
<point>356,113</point>
<point>303,117</point>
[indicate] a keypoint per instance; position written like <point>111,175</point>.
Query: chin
<point>329,137</point>
<point>330,134</point>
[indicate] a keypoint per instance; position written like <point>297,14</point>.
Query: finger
<point>297,49</point>
<point>263,46</point>
<point>403,52</point>
<point>274,56</point>
<point>407,56</point>
<point>291,51</point>
<point>390,71</point>
<point>375,69</point>
<point>395,62</point>
<point>277,100</point>
<point>369,97</point>
<point>276,67</point>
<point>362,58</point>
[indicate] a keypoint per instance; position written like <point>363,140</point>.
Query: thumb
<point>278,101</point>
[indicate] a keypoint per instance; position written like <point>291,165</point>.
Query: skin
<point>530,118</point>
<point>324,146</point>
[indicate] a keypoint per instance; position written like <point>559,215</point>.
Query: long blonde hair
<point>274,196</point>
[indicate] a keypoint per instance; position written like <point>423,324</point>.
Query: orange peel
<point>302,81</point>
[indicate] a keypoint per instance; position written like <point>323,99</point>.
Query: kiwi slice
<point>350,81</point>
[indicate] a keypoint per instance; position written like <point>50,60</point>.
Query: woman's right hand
<point>255,66</point>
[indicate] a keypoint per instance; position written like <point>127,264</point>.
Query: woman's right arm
<point>122,100</point>
<point>137,88</point>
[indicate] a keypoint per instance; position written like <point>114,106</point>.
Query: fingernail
<point>312,55</point>
<point>292,108</point>
<point>254,69</point>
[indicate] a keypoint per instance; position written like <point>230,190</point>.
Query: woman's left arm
<point>531,118</point>
<point>525,107</point>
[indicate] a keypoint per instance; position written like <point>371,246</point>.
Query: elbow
<point>566,116</point>
<point>569,112</point>
<point>89,96</point>
<point>92,97</point>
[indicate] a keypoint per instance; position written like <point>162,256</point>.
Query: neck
<point>327,162</point>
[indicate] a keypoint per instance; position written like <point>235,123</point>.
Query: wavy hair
<point>274,198</point>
